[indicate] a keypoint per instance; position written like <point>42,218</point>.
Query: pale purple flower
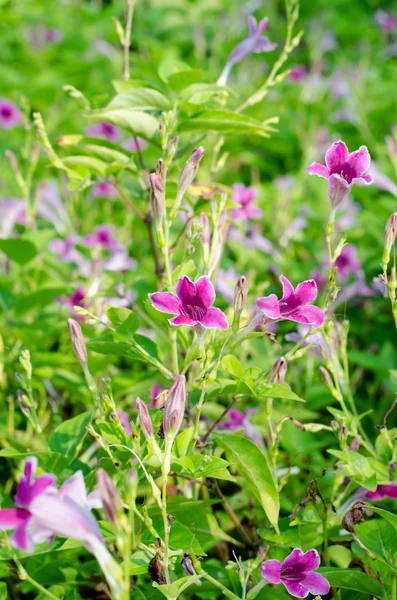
<point>125,422</point>
<point>10,115</point>
<point>66,250</point>
<point>254,43</point>
<point>382,181</point>
<point>385,20</point>
<point>12,212</point>
<point>347,262</point>
<point>298,73</point>
<point>192,304</point>
<point>342,170</point>
<point>105,131</point>
<point>245,197</point>
<point>294,304</point>
<point>347,216</point>
<point>120,261</point>
<point>382,491</point>
<point>134,144</point>
<point>315,340</point>
<point>104,189</point>
<point>50,206</point>
<point>379,285</point>
<point>237,420</point>
<point>102,236</point>
<point>225,284</point>
<point>297,574</point>
<point>20,519</point>
<point>53,36</point>
<point>103,47</point>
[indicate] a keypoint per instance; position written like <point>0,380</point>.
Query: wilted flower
<point>342,170</point>
<point>296,572</point>
<point>104,189</point>
<point>386,21</point>
<point>245,196</point>
<point>105,131</point>
<point>192,304</point>
<point>294,304</point>
<point>254,43</point>
<point>10,115</point>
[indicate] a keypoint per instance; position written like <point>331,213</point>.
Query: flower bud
<point>144,418</point>
<point>390,237</point>
<point>326,377</point>
<point>279,371</point>
<point>175,407</point>
<point>187,175</point>
<point>109,495</point>
<point>161,169</point>
<point>205,236</point>
<point>157,198</point>
<point>240,295</point>
<point>187,565</point>
<point>172,148</point>
<point>78,342</point>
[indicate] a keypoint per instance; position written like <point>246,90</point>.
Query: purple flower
<point>27,532</point>
<point>76,299</point>
<point>120,261</point>
<point>254,43</point>
<point>102,236</point>
<point>386,21</point>
<point>298,73</point>
<point>382,491</point>
<point>347,262</point>
<point>236,419</point>
<point>12,212</point>
<point>104,189</point>
<point>225,283</point>
<point>105,131</point>
<point>245,196</point>
<point>342,170</point>
<point>155,402</point>
<point>192,304</point>
<point>294,305</point>
<point>134,144</point>
<point>125,422</point>
<point>297,573</point>
<point>50,205</point>
<point>10,115</point>
<point>382,181</point>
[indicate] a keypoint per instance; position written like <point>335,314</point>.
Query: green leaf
<point>200,93</point>
<point>380,539</point>
<point>254,468</point>
<point>107,346</point>
<point>3,591</point>
<point>226,122</point>
<point>202,465</point>
<point>66,438</point>
<point>170,66</point>
<point>391,517</point>
<point>182,442</point>
<point>124,320</point>
<point>87,164</point>
<point>19,250</point>
<point>140,98</point>
<point>38,299</point>
<point>182,79</point>
<point>353,579</point>
<point>278,390</point>
<point>137,122</point>
<point>139,562</point>
<point>232,365</point>
<point>173,590</point>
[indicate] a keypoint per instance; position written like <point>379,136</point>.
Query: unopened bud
<point>24,402</point>
<point>109,495</point>
<point>335,426</point>
<point>78,342</point>
<point>172,148</point>
<point>157,198</point>
<point>161,169</point>
<point>240,295</point>
<point>187,176</point>
<point>355,444</point>
<point>144,418</point>
<point>175,407</point>
<point>343,433</point>
<point>390,237</point>
<point>279,371</point>
<point>326,377</point>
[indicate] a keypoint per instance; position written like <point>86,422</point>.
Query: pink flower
<point>155,402</point>
<point>105,131</point>
<point>26,533</point>
<point>342,170</point>
<point>10,115</point>
<point>297,573</point>
<point>347,262</point>
<point>192,304</point>
<point>294,305</point>
<point>12,212</point>
<point>298,73</point>
<point>382,491</point>
<point>104,189</point>
<point>236,419</point>
<point>254,43</point>
<point>134,144</point>
<point>386,21</point>
<point>125,422</point>
<point>102,236</point>
<point>245,196</point>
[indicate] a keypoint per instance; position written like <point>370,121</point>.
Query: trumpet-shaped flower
<point>297,573</point>
<point>294,304</point>
<point>192,304</point>
<point>254,43</point>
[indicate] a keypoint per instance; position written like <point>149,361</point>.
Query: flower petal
<point>263,44</point>
<point>214,319</point>
<point>182,320</point>
<point>316,583</point>
<point>41,484</point>
<point>366,179</point>
<point>317,169</point>
<point>186,290</point>
<point>296,589</point>
<point>306,291</point>
<point>263,24</point>
<point>293,559</point>
<point>21,539</point>
<point>252,25</point>
<point>269,305</point>
<point>336,156</point>
<point>271,570</point>
<point>312,561</point>
<point>205,291</point>
<point>74,488</point>
<point>338,189</point>
<point>359,161</point>
<point>10,518</point>
<point>288,288</point>
<point>310,315</point>
<point>30,467</point>
<point>165,302</point>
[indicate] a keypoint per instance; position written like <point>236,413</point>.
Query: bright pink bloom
<point>236,419</point>
<point>102,236</point>
<point>105,131</point>
<point>347,262</point>
<point>298,73</point>
<point>294,305</point>
<point>125,422</point>
<point>342,170</point>
<point>382,491</point>
<point>245,196</point>
<point>104,189</point>
<point>27,532</point>
<point>192,304</point>
<point>10,115</point>
<point>297,574</point>
<point>254,43</point>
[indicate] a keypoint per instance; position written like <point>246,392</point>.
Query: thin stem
<point>127,38</point>
<point>124,196</point>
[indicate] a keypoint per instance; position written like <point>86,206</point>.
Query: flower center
<point>6,112</point>
<point>293,573</point>
<point>194,312</point>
